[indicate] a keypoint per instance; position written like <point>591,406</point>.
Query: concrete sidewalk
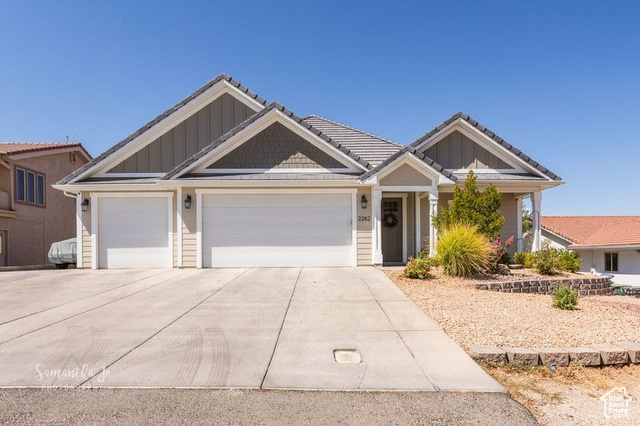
<point>225,328</point>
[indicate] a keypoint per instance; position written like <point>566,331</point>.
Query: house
<point>609,244</point>
<point>32,214</point>
<point>226,179</point>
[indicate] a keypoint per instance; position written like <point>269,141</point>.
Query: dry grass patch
<point>480,317</point>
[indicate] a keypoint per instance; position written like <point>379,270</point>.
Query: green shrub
<point>570,261</point>
<point>565,298</point>
<point>418,268</point>
<point>547,261</point>
<point>463,251</point>
<point>472,207</point>
<point>523,258</point>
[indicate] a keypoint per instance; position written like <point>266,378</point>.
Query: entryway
<point>393,215</point>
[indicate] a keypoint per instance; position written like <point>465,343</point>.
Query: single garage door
<point>277,230</point>
<point>133,232</point>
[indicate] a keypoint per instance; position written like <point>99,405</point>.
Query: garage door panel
<point>133,232</point>
<point>277,230</point>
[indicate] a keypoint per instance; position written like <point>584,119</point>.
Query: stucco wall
<point>628,260</point>
<point>34,229</point>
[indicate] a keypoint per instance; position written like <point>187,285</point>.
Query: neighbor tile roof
<point>274,105</point>
<point>161,117</point>
<point>491,135</point>
<point>593,231</point>
<point>371,148</point>
<point>13,148</point>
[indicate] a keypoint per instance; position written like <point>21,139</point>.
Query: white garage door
<point>277,230</point>
<point>133,232</point>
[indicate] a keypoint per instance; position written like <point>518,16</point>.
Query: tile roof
<point>411,150</point>
<point>161,117</point>
<point>491,135</point>
<point>251,120</point>
<point>593,231</point>
<point>13,148</point>
<point>371,148</point>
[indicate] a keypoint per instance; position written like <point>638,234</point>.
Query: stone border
<point>622,353</point>
<point>584,286</point>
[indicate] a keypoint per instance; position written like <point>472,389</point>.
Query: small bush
<point>418,268</point>
<point>463,251</point>
<point>565,298</point>
<point>547,261</point>
<point>523,258</point>
<point>570,261</point>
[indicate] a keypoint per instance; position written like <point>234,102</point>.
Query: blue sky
<point>560,80</point>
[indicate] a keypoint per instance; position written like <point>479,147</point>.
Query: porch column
<point>519,241</point>
<point>536,204</point>
<point>376,209</point>
<point>417,221</point>
<point>433,211</point>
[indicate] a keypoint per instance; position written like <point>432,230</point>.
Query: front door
<point>3,248</point>
<point>392,230</point>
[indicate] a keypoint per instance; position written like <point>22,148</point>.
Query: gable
<point>405,175</point>
<point>276,147</point>
<point>188,137</point>
<point>457,151</point>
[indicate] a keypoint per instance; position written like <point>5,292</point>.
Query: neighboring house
<point>608,244</point>
<point>32,214</point>
<point>226,179</point>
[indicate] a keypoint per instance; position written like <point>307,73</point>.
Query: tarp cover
<point>63,251</point>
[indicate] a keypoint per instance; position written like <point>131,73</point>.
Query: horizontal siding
<point>364,229</point>
<point>189,235</point>
<point>86,234</point>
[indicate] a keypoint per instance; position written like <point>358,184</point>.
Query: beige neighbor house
<point>226,179</point>
<point>607,244</point>
<point>32,214</point>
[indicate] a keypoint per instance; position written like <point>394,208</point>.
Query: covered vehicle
<point>63,253</point>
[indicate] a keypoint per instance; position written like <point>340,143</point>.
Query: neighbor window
<point>30,187</point>
<point>611,262</point>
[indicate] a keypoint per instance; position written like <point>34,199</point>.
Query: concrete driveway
<point>224,328</point>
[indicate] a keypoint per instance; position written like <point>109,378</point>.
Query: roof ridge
<point>354,129</point>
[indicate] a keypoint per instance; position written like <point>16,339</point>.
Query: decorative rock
<point>522,357</point>
<point>611,354</point>
<point>504,270</point>
<point>584,356</point>
<point>516,266</point>
<point>488,354</point>
<point>557,356</point>
<point>633,349</point>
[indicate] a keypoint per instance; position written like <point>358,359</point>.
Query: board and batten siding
<point>364,228</point>
<point>457,151</point>
<point>188,137</point>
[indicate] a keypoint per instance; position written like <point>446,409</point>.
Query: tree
<point>472,207</point>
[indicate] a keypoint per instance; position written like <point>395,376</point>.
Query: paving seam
<point>399,335</point>
<point>164,328</point>
<point>284,318</point>
<point>82,298</point>
<point>94,308</point>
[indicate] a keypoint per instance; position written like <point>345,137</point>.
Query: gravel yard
<point>480,317</point>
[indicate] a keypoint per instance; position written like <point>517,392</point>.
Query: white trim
<point>519,241</point>
<point>169,122</point>
<point>536,220</point>
<point>407,188</point>
<point>433,234</point>
<point>79,230</point>
<point>354,210</point>
<point>404,221</point>
<point>131,175</point>
<point>609,247</point>
<point>273,116</point>
<point>94,231</point>
<point>110,187</point>
<point>95,197</point>
<point>179,226</point>
<point>259,183</point>
<point>417,225</point>
<point>486,171</point>
<point>376,225</point>
<point>199,228</point>
<point>275,170</point>
<point>408,158</point>
<point>485,141</point>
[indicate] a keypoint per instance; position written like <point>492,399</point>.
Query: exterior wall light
<point>85,205</point>
<point>187,202</point>
<point>363,201</point>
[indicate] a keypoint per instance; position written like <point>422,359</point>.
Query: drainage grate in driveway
<point>347,356</point>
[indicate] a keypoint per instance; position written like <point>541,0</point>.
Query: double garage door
<point>236,230</point>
